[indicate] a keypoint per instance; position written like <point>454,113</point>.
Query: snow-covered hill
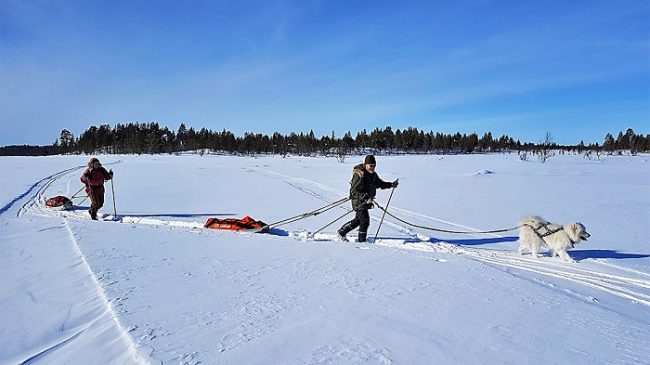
<point>150,285</point>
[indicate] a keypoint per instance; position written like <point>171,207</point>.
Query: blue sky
<point>576,69</point>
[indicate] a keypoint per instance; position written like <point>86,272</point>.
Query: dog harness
<point>547,232</point>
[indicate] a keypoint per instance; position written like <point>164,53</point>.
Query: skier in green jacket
<point>363,189</point>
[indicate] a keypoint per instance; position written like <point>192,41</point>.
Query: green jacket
<point>364,186</point>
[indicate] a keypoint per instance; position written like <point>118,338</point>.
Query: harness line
<point>298,217</point>
<point>332,222</point>
<point>443,230</point>
<point>332,205</point>
<point>75,194</point>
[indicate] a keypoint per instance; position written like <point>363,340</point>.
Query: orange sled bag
<point>234,224</point>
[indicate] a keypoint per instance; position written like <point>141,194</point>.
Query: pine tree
<point>609,144</point>
<point>67,141</point>
<point>181,136</point>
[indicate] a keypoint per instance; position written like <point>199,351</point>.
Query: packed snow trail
<point>41,184</point>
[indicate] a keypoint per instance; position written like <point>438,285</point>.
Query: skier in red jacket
<point>94,178</point>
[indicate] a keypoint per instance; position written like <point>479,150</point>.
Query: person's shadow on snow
<point>179,215</point>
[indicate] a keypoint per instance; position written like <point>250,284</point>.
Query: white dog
<point>535,232</point>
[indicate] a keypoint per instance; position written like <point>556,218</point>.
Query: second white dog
<point>535,233</point>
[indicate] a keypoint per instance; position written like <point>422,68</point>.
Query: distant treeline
<point>27,150</point>
<point>150,138</point>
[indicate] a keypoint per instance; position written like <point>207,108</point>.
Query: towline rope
<point>333,205</point>
<point>298,217</point>
<point>75,194</point>
<point>332,222</point>
<point>444,230</point>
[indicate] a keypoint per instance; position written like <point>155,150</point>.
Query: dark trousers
<point>96,194</point>
<point>361,220</point>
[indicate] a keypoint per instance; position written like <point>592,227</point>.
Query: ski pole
<point>383,215</point>
<point>113,191</point>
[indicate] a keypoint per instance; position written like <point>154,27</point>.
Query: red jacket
<point>95,177</point>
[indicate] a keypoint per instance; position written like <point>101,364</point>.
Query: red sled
<point>59,202</point>
<point>233,224</point>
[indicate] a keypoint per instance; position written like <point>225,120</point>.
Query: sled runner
<point>59,202</point>
<point>234,224</point>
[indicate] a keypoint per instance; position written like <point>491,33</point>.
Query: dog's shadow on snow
<point>604,254</point>
<point>577,255</point>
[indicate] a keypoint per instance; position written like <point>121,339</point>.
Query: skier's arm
<point>383,184</point>
<point>107,176</point>
<point>84,178</point>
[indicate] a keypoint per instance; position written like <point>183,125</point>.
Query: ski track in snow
<point>123,333</point>
<point>618,281</point>
<point>36,204</point>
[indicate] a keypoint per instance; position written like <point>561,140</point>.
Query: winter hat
<point>370,159</point>
<point>92,161</point>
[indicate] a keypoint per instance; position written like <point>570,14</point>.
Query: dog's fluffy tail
<point>533,221</point>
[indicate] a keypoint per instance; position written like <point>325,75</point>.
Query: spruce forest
<point>150,138</point>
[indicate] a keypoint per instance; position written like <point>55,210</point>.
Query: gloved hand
<point>110,172</point>
<point>368,204</point>
<point>395,183</point>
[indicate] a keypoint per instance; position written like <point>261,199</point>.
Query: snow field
<point>163,289</point>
